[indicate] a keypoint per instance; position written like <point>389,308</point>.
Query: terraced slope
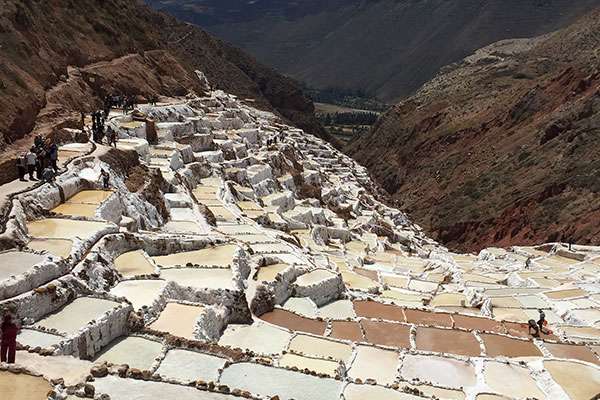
<point>501,148</point>
<point>61,57</point>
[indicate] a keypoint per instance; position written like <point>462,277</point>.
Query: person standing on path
<point>8,346</point>
<point>31,160</point>
<point>22,166</point>
<point>105,179</point>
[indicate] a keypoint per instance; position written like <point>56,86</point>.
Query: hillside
<point>501,148</point>
<point>61,57</point>
<point>387,48</point>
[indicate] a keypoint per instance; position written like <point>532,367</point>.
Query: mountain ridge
<point>500,149</point>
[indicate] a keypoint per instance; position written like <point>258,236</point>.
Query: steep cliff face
<point>57,58</point>
<point>503,147</point>
<point>387,48</point>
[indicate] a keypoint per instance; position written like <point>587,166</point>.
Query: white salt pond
<point>269,381</point>
<point>14,263</point>
<point>252,337</point>
<point>139,292</point>
<point>77,314</point>
<point>71,369</point>
<point>210,278</point>
<point>131,389</point>
<point>178,320</point>
<point>33,338</point>
<point>339,309</point>
<point>134,351</point>
<point>134,263</point>
<point>438,371</point>
<point>301,305</point>
<point>314,277</point>
<point>374,363</point>
<point>184,365</point>
<point>210,256</point>
<point>364,392</point>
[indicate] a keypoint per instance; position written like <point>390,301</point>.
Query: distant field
<point>325,108</point>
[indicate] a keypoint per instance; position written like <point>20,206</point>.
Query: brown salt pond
<point>574,352</point>
<point>320,347</point>
<point>578,380</point>
<point>347,330</point>
<point>294,322</point>
<point>54,228</point>
<point>511,380</point>
<point>23,387</point>
<point>178,320</point>
<point>57,247</point>
<point>427,318</point>
<point>375,310</point>
<point>387,333</point>
<point>479,324</point>
<point>77,314</point>
<point>211,256</point>
<point>447,341</point>
<point>269,272</point>
<point>497,345</point>
<point>134,263</point>
<point>373,363</point>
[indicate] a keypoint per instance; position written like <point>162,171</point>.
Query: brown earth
<point>502,148</point>
<point>61,57</point>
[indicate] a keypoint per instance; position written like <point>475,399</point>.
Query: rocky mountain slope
<point>387,48</point>
<point>503,147</point>
<point>60,57</point>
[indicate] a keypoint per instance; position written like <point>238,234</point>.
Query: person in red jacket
<point>8,347</point>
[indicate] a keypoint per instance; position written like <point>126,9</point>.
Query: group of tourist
<point>41,160</point>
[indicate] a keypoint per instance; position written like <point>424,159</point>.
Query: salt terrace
<point>275,271</point>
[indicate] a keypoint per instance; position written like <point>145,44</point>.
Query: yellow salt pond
<point>312,364</point>
<point>96,197</point>
<point>178,320</point>
<point>23,387</point>
<point>210,278</point>
<point>268,273</point>
<point>57,247</point>
<point>322,348</point>
<point>134,263</point>
<point>580,381</point>
<point>222,213</point>
<point>218,255</point>
<point>76,210</point>
<point>54,228</point>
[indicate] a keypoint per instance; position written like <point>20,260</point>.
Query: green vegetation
<point>356,99</point>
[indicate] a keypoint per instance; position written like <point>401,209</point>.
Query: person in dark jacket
<point>8,347</point>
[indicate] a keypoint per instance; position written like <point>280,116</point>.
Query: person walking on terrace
<point>8,347</point>
<point>105,179</point>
